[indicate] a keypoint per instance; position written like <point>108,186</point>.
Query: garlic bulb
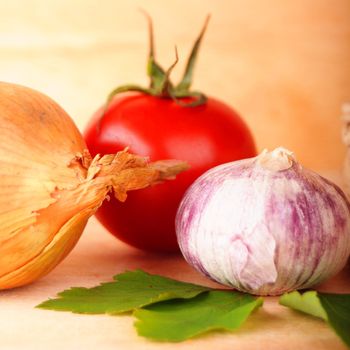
<point>50,186</point>
<point>265,225</point>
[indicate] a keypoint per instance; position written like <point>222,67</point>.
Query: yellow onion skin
<point>50,186</point>
<point>265,225</point>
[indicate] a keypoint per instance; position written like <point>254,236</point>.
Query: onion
<point>50,186</point>
<point>264,225</point>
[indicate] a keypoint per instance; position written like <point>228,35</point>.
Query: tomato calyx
<point>160,84</point>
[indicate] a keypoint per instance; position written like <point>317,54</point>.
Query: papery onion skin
<point>265,225</point>
<point>50,186</point>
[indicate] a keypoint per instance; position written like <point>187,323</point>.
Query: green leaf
<point>333,308</point>
<point>307,302</point>
<point>130,290</point>
<point>177,320</point>
<point>337,307</point>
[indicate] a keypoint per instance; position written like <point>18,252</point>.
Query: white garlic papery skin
<point>264,225</point>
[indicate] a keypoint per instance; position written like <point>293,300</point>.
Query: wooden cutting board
<point>97,258</point>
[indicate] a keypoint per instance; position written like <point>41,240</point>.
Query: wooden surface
<point>284,65</point>
<point>97,258</point>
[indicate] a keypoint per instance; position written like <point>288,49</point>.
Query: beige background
<point>284,65</point>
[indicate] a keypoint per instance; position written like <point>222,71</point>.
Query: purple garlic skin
<point>265,225</point>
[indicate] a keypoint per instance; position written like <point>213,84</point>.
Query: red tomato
<point>204,136</point>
